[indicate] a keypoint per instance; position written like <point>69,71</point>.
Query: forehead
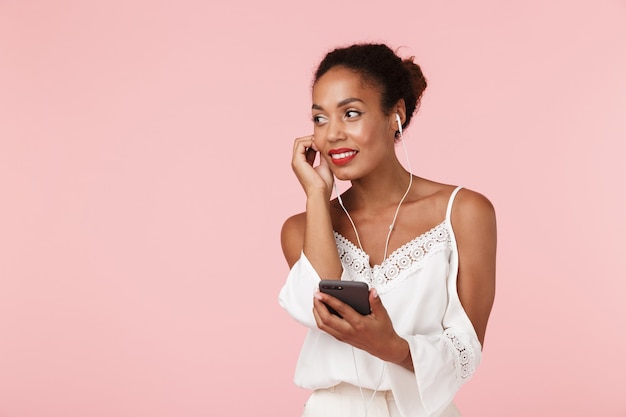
<point>340,83</point>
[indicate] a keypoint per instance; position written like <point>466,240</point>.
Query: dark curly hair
<point>381,67</point>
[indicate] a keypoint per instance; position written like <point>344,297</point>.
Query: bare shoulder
<point>292,237</point>
<point>436,196</point>
<point>471,208</point>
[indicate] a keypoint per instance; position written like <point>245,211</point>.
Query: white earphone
<point>399,123</point>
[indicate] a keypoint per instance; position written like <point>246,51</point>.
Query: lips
<point>342,156</point>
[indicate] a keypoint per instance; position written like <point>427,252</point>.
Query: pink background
<point>144,174</point>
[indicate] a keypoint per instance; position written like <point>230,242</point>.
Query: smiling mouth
<point>343,155</point>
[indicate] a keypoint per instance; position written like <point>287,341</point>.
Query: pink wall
<point>144,175</point>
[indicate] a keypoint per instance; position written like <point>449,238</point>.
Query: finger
<point>324,164</point>
<point>321,308</point>
<point>378,309</point>
<point>325,320</point>
<point>323,169</point>
<point>316,314</point>
<point>322,324</point>
<point>345,311</point>
<point>300,145</point>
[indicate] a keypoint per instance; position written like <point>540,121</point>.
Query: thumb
<point>375,303</point>
<point>324,170</point>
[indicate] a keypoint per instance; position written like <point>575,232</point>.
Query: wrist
<point>317,196</point>
<point>401,353</point>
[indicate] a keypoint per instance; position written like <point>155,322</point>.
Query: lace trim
<point>463,357</point>
<point>401,263</point>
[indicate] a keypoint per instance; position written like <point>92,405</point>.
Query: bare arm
<point>474,222</point>
<point>312,232</point>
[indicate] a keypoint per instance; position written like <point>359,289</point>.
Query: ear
<point>400,109</point>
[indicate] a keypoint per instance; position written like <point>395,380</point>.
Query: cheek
<point>318,134</point>
<point>370,136</point>
<point>360,133</point>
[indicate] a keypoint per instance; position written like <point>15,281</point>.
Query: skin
<point>347,114</point>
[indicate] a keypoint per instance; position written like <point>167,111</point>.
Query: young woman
<point>427,251</point>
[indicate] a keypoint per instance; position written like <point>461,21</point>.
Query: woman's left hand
<point>373,333</point>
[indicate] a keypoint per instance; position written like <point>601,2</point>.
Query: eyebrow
<point>340,104</point>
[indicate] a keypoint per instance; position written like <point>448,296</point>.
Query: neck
<point>391,226</point>
<point>380,189</point>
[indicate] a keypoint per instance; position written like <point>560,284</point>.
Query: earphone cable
<point>367,404</point>
<point>391,226</point>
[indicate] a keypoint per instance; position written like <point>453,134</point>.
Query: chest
<point>428,251</point>
<point>372,231</point>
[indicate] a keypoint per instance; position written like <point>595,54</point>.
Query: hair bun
<point>416,76</point>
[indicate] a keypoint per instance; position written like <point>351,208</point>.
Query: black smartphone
<point>353,293</point>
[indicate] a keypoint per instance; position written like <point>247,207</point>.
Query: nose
<point>335,130</point>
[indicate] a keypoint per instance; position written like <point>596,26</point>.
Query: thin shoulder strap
<point>449,209</point>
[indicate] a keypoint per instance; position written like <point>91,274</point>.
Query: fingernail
<point>375,293</point>
<point>317,295</point>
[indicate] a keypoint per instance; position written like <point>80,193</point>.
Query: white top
<point>417,286</point>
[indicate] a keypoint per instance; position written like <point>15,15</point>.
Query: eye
<point>351,114</point>
<point>318,119</point>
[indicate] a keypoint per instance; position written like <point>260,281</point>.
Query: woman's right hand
<point>312,179</point>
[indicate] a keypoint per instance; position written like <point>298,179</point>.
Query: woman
<point>426,249</point>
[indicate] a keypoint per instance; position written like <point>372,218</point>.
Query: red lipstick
<point>342,156</point>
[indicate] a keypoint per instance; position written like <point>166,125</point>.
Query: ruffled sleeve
<point>296,296</point>
<point>442,364</point>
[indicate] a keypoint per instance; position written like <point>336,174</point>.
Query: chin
<point>344,176</point>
